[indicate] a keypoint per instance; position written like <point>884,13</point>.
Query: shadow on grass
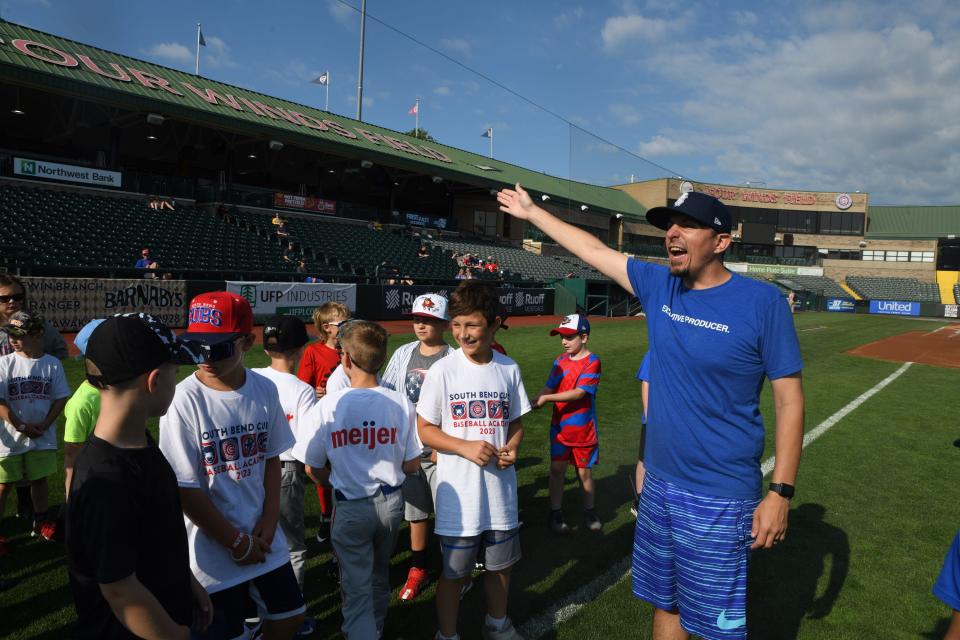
<point>782,588</point>
<point>939,630</point>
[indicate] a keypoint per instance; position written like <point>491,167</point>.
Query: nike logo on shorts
<point>725,623</point>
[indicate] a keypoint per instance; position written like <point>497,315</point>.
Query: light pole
<point>363,28</point>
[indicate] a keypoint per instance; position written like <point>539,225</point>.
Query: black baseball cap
<point>705,209</point>
<point>126,346</point>
<point>283,333</point>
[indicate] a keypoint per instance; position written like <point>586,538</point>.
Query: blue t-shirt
<point>711,350</point>
<point>947,587</point>
<point>643,373</point>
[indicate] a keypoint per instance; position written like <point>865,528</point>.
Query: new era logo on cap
<point>430,305</point>
<point>218,316</point>
<point>705,209</point>
<point>572,325</point>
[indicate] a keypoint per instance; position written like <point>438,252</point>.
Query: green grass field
<point>874,513</point>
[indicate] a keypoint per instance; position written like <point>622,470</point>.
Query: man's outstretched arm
<point>588,248</point>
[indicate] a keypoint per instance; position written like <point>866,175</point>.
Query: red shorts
<point>581,457</point>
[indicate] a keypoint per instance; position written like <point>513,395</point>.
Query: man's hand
<point>479,452</point>
<point>257,554</point>
<point>202,607</point>
<point>516,202</point>
<point>538,401</point>
<point>320,392</point>
<point>770,521</point>
<point>433,456</point>
<point>507,457</point>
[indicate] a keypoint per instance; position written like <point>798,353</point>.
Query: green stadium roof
<point>35,58</point>
<point>913,222</point>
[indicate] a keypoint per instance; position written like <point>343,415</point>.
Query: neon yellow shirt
<point>81,412</point>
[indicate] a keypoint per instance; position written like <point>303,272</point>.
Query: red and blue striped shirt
<point>574,423</point>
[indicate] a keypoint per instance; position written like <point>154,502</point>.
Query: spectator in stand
<point>423,252</point>
<point>290,254</point>
<point>407,279</point>
<point>277,220</point>
<point>167,276</point>
<point>301,267</point>
<point>462,274</point>
<point>282,230</point>
<point>151,272</point>
<point>144,261</point>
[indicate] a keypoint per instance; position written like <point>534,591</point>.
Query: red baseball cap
<point>218,316</point>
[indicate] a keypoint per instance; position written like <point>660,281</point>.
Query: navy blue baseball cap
<point>705,209</point>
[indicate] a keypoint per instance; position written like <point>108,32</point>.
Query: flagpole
<point>491,143</point>
<point>326,104</point>
<point>416,127</point>
<point>198,49</point>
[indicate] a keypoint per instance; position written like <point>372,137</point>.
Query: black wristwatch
<point>782,489</point>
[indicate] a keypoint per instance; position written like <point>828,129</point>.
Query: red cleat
<point>46,530</point>
<point>417,581</point>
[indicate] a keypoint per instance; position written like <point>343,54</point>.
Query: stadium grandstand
<point>104,155</point>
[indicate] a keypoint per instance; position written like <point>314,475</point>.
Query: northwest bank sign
<point>177,88</point>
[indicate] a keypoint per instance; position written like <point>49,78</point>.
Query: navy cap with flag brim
<point>706,210</point>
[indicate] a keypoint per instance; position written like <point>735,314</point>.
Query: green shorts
<point>32,465</point>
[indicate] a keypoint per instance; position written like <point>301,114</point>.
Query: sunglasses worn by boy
<point>16,297</point>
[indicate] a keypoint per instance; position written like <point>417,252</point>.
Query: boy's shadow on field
<point>782,587</point>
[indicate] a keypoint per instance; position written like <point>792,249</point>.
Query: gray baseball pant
<point>364,533</point>
<point>291,516</point>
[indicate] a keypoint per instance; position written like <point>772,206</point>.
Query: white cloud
<point>443,91</point>
<point>457,45</point>
<point>660,146</point>
<point>622,30</point>
<point>625,114</point>
<point>745,18</point>
<point>871,108</point>
<point>216,54</point>
<point>343,14</point>
<point>172,52</point>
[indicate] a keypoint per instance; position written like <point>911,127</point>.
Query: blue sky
<point>815,95</point>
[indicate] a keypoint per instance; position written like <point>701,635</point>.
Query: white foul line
<point>570,605</point>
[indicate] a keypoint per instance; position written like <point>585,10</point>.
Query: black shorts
<point>276,595</point>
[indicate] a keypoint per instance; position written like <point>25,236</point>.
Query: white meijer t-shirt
<point>30,386</point>
<point>219,442</point>
<point>366,434</point>
<point>474,402</point>
<point>296,398</point>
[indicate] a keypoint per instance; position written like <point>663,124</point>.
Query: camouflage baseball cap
<point>23,323</point>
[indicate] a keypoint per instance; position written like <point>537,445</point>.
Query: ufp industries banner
<point>293,298</point>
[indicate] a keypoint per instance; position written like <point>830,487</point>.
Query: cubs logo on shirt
<point>478,409</point>
<point>458,410</point>
<point>495,409</point>
<point>229,450</point>
<point>248,444</point>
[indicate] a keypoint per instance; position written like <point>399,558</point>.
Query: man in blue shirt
<point>714,337</point>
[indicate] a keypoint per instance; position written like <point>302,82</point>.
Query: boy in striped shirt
<point>572,387</point>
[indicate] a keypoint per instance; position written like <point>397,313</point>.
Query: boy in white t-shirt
<point>405,372</point>
<point>284,338</point>
<point>223,435</point>
<point>367,434</point>
<point>33,392</point>
<point>469,412</point>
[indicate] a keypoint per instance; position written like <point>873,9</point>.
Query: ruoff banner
<point>396,301</point>
<point>292,298</point>
<point>841,305</point>
<point>66,172</point>
<point>69,303</point>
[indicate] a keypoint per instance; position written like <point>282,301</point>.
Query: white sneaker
<point>507,633</point>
